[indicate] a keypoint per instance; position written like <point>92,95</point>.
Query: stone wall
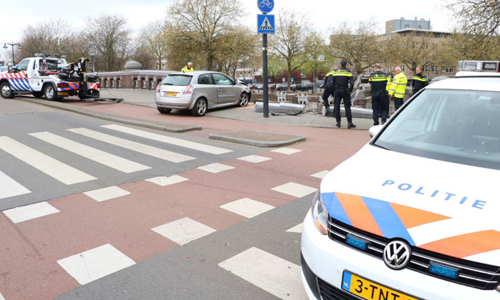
<point>136,79</point>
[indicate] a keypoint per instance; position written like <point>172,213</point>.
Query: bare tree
<point>202,23</point>
<point>289,40</point>
<point>52,37</point>
<point>109,39</point>
<point>154,39</point>
<point>235,47</point>
<point>316,50</point>
<point>358,44</point>
<point>413,48</point>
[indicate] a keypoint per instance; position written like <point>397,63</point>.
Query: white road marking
<point>108,193</point>
<point>164,180</point>
<point>255,159</point>
<point>169,140</point>
<point>321,174</point>
<point>10,188</point>
<point>183,231</point>
<point>46,164</point>
<point>269,272</point>
<point>96,263</point>
<point>296,229</point>
<point>134,146</point>
<point>215,168</point>
<point>285,150</point>
<point>295,189</point>
<point>1,297</point>
<point>247,207</point>
<point>107,159</point>
<point>29,212</point>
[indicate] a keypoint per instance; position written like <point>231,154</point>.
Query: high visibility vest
<point>329,80</point>
<point>398,86</point>
<point>186,69</point>
<point>388,87</point>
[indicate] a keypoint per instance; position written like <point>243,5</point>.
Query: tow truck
<point>51,76</point>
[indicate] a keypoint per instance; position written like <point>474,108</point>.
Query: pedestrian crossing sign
<point>265,24</point>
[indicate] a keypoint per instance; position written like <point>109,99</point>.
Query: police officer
<point>419,81</point>
<point>188,68</point>
<point>343,83</point>
<point>398,87</point>
<point>380,99</point>
<point>329,89</point>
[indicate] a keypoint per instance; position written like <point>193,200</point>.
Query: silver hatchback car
<point>199,91</point>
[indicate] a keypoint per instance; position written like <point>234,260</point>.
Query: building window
<point>402,68</point>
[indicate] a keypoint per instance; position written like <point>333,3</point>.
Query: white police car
<point>415,213</point>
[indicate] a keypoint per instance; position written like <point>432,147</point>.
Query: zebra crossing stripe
<point>269,272</point>
<point>169,140</point>
<point>10,188</point>
<point>54,168</point>
<point>107,159</point>
<point>137,147</point>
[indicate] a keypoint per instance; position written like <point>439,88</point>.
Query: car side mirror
<point>374,130</point>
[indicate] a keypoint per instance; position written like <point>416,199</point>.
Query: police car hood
<point>439,206</point>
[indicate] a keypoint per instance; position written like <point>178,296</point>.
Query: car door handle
<point>219,89</point>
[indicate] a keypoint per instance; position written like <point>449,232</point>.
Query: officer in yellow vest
<point>329,89</point>
<point>188,68</point>
<point>380,100</point>
<point>398,87</point>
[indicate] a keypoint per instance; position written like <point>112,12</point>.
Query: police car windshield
<point>451,125</point>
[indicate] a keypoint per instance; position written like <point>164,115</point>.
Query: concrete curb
<point>175,128</point>
<point>258,139</point>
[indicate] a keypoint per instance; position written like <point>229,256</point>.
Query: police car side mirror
<point>374,130</point>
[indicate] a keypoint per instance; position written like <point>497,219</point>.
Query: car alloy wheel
<point>243,99</point>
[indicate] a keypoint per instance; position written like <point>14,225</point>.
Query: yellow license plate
<point>170,94</point>
<point>370,290</point>
<point>63,93</point>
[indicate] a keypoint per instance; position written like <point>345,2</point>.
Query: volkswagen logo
<point>397,255</point>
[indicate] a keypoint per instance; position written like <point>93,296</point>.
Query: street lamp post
<point>12,45</point>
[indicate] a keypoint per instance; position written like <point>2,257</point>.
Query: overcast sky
<point>324,14</point>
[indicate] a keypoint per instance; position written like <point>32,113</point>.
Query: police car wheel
<point>50,92</point>
<point>6,91</point>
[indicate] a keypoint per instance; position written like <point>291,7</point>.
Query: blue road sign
<point>265,6</point>
<point>265,24</point>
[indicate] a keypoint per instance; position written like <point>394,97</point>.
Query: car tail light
<point>98,86</point>
<point>158,89</point>
<point>188,90</point>
<point>62,85</point>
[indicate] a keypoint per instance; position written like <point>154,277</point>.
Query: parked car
<point>426,225</point>
<point>302,87</point>
<point>199,91</point>
<point>258,87</point>
<point>282,87</point>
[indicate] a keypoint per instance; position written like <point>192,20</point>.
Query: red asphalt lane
<point>30,250</point>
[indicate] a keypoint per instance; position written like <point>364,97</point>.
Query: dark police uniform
<point>343,82</point>
<point>380,98</point>
<point>329,89</point>
<point>419,82</point>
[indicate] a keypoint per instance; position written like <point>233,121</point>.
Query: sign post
<point>265,25</point>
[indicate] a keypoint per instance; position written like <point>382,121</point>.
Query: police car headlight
<point>319,213</point>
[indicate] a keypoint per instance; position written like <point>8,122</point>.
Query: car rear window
<point>177,79</point>
<point>458,126</point>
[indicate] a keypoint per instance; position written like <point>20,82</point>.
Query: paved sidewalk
<point>139,109</point>
<point>147,98</point>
